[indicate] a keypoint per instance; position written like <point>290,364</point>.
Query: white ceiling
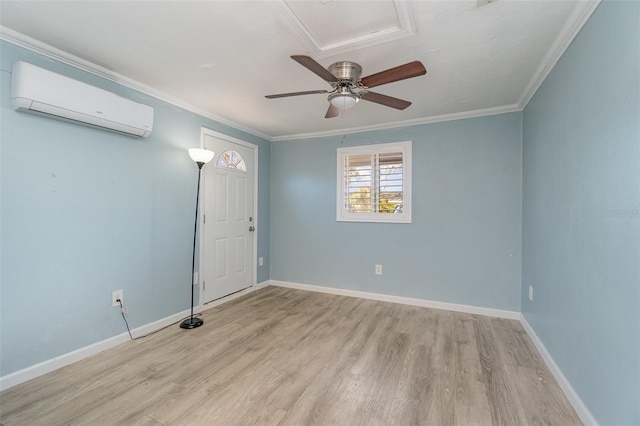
<point>220,58</point>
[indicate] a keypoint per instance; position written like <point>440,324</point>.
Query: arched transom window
<point>231,159</point>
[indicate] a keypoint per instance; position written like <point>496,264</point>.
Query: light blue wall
<point>581,221</point>
<point>73,230</point>
<point>464,243</point>
<point>85,212</point>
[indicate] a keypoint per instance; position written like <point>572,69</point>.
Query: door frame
<point>204,131</point>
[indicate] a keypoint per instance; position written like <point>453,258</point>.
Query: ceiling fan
<point>349,88</point>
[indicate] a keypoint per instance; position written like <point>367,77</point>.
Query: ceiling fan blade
<point>332,112</point>
<point>385,100</point>
<point>315,67</point>
<point>284,95</point>
<point>410,70</point>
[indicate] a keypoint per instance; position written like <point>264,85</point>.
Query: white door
<point>228,262</point>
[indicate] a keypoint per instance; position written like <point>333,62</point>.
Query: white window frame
<point>342,215</point>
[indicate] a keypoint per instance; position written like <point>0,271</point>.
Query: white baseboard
<point>69,358</point>
<point>499,313</point>
<point>581,409</point>
<point>52,364</point>
<point>47,366</point>
<point>230,297</point>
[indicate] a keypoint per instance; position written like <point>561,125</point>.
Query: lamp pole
<point>201,157</point>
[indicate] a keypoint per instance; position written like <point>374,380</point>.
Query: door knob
<point>252,228</point>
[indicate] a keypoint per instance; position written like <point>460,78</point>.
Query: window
<point>374,183</point>
<point>231,159</point>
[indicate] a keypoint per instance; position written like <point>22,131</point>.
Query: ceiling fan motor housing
<point>346,70</point>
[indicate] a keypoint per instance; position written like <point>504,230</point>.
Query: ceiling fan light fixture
<point>343,100</point>
<point>349,88</point>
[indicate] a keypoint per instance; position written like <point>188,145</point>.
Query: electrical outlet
<point>531,293</point>
<point>115,295</point>
<point>195,278</point>
<point>378,269</point>
<point>261,261</point>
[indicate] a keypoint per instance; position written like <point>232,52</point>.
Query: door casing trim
<point>208,132</point>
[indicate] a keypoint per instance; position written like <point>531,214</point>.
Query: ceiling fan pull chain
<point>342,126</point>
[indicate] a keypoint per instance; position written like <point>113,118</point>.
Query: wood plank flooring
<point>288,357</point>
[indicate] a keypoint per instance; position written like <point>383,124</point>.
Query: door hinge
<point>204,219</point>
<point>204,285</point>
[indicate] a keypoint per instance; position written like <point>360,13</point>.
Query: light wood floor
<point>289,357</point>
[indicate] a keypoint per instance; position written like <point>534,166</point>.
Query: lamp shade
<point>344,101</point>
<point>200,155</point>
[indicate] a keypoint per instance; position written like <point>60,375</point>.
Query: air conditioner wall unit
<point>40,91</point>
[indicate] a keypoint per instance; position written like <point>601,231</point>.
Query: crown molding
<point>56,54</point>
<point>405,123</point>
<point>570,30</point>
<point>51,52</point>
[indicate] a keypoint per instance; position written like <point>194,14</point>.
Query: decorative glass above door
<point>231,159</point>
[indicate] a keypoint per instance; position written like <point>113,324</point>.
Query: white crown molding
<point>299,31</point>
<point>573,26</point>
<point>571,394</point>
<point>570,30</point>
<point>476,310</point>
<point>51,52</point>
<point>405,123</point>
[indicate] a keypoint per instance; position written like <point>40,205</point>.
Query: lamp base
<point>190,323</point>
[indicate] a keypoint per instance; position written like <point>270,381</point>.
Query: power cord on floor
<point>124,310</point>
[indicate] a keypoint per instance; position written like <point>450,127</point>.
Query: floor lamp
<point>201,157</point>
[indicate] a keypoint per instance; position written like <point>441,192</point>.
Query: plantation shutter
<point>373,183</point>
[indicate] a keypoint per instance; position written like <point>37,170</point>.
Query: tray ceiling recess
<point>320,29</point>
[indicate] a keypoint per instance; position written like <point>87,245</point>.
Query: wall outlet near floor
<point>261,261</point>
<point>531,293</point>
<point>378,269</point>
<point>115,295</point>
<point>195,278</point>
